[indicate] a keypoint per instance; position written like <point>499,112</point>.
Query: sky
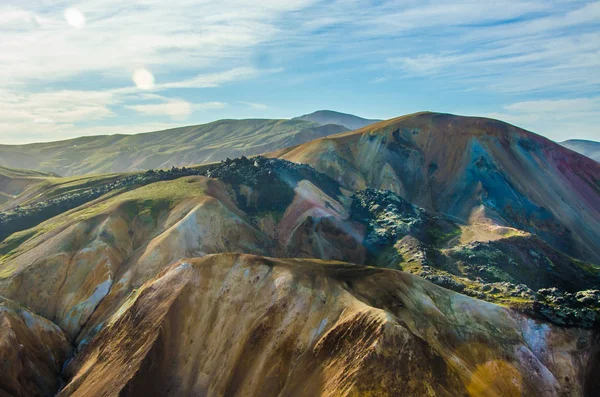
<point>92,67</point>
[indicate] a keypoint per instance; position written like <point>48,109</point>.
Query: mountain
<point>475,169</point>
<point>318,328</point>
<point>590,149</point>
<point>417,256</point>
<point>325,117</point>
<point>163,149</point>
<point>14,181</point>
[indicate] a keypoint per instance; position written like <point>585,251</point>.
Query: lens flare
<point>143,79</point>
<point>75,18</point>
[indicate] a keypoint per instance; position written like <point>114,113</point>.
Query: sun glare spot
<point>143,79</point>
<point>75,18</point>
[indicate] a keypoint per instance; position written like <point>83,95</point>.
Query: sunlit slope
<point>244,325</point>
<point>32,352</point>
<point>14,181</point>
<point>109,274</point>
<point>476,169</point>
<point>349,121</point>
<point>163,149</point>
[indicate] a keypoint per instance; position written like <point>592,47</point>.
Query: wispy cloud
<point>174,108</point>
<point>177,109</point>
<point>63,70</point>
<point>578,116</point>
<point>253,105</point>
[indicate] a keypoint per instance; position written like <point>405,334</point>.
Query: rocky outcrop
<point>32,351</point>
<point>78,268</point>
<point>263,184</point>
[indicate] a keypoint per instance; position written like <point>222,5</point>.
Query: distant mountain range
<point>163,149</point>
<point>590,149</point>
<point>175,147</point>
<point>349,121</point>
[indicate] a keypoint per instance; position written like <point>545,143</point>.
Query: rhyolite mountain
<point>325,117</point>
<point>163,149</point>
<point>590,149</point>
<point>475,169</point>
<point>426,255</point>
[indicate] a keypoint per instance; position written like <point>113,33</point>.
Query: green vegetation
<point>163,149</point>
<point>145,202</point>
<point>22,173</point>
<point>441,232</point>
<point>67,198</point>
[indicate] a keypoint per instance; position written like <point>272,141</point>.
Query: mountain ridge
<point>347,120</point>
<point>438,160</point>
<point>163,149</point>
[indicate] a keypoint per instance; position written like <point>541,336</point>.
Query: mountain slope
<point>14,181</point>
<point>236,324</point>
<point>32,352</point>
<point>476,169</point>
<point>137,271</point>
<point>590,149</point>
<point>163,149</point>
<point>325,117</point>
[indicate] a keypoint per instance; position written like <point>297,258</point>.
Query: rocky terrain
<point>474,169</point>
<point>320,328</point>
<point>263,276</point>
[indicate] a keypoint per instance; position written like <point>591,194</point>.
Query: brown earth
<point>242,325</point>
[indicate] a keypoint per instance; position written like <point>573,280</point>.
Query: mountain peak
<point>324,117</point>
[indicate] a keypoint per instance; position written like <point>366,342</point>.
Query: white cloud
<point>119,36</point>
<point>512,47</point>
<point>254,105</point>
<point>556,119</point>
<point>558,106</point>
<point>207,80</point>
<point>63,106</point>
<point>210,105</point>
<point>176,109</point>
<point>379,80</point>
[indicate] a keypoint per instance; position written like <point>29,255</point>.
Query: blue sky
<point>104,66</point>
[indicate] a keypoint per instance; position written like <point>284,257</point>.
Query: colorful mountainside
<point>475,169</point>
<point>426,255</point>
<point>590,149</point>
<point>163,149</point>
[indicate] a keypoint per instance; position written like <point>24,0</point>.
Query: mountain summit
<point>477,169</point>
<point>325,117</point>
